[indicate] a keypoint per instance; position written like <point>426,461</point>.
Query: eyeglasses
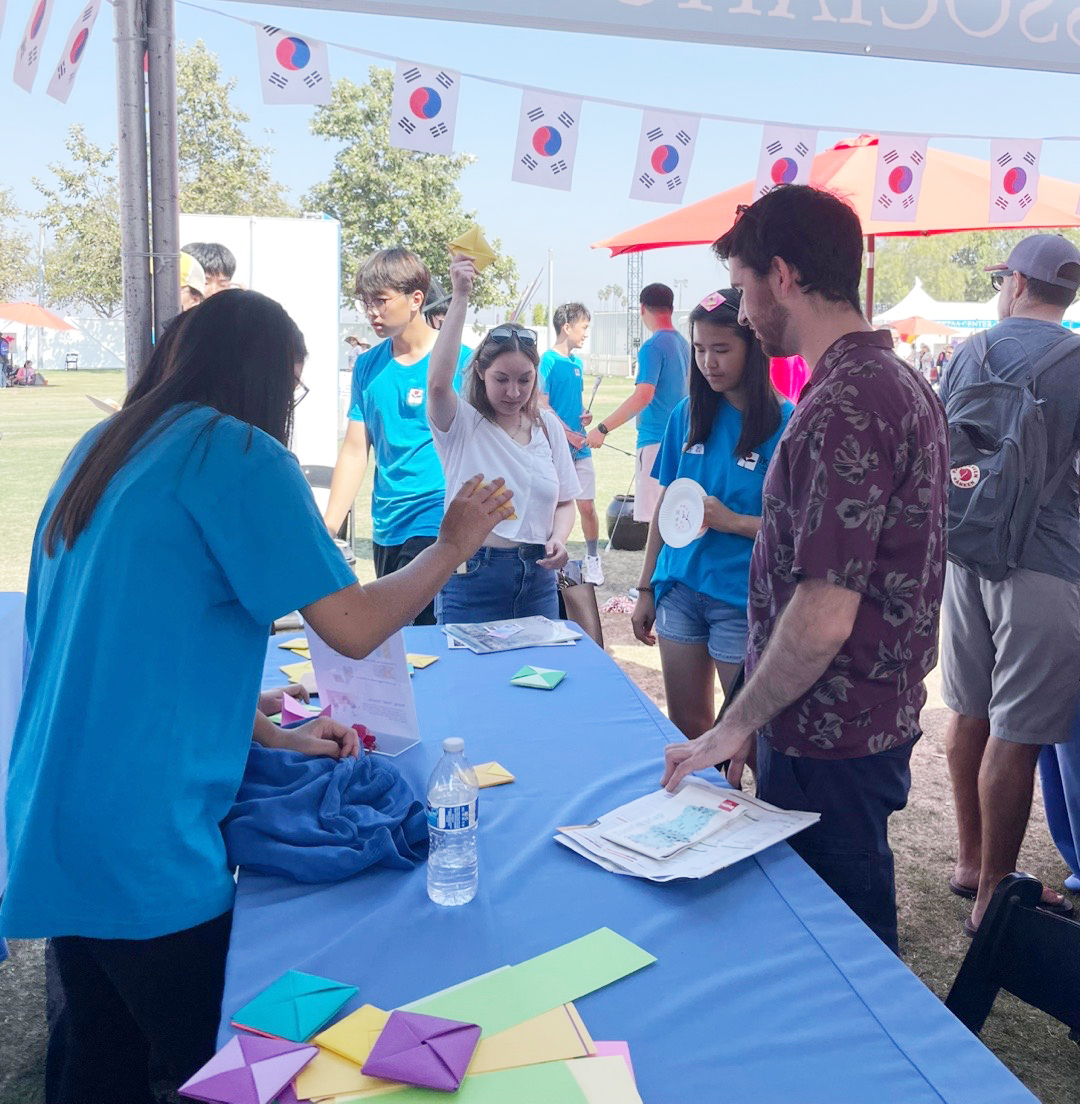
<point>997,279</point>
<point>509,331</point>
<point>377,306</point>
<point>299,393</point>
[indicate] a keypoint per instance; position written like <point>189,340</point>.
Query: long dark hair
<point>237,353</point>
<point>761,418</point>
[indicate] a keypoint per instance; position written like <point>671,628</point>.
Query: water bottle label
<point>449,818</point>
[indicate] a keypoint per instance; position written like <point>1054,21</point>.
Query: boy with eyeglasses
<point>388,413</point>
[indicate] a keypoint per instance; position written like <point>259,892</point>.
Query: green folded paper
<point>540,678</point>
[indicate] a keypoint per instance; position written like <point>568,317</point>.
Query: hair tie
<point>712,301</point>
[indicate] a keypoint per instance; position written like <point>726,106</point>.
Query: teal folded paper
<point>540,678</point>
<point>294,1007</point>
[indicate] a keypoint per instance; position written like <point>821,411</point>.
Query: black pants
<point>393,557</point>
<point>849,846</point>
<point>131,1017</point>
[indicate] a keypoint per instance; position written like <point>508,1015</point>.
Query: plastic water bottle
<point>451,812</point>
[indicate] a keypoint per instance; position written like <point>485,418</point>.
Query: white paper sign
<point>898,178</point>
<point>67,68</point>
<point>665,153</point>
<point>787,155</point>
<point>28,56</point>
<point>424,108</point>
<point>547,140</point>
<point>1014,177</point>
<point>294,69</point>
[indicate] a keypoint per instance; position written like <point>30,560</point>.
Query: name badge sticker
<point>415,397</point>
<point>698,450</point>
<point>750,461</point>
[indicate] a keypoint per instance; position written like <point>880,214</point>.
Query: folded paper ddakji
<point>492,774</point>
<point>540,678</point>
<point>248,1070</point>
<point>294,1007</point>
<point>471,244</point>
<point>423,1050</point>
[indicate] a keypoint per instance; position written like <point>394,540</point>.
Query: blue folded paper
<point>323,820</point>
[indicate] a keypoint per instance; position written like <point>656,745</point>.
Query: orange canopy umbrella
<point>30,314</point>
<point>917,326</point>
<point>955,196</point>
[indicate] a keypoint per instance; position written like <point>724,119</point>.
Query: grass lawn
<point>39,426</point>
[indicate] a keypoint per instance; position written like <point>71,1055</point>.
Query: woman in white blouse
<point>497,426</point>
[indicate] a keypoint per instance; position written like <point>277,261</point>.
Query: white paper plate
<point>682,513</point>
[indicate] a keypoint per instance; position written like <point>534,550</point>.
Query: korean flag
<point>28,55</point>
<point>64,74</point>
<point>547,140</point>
<point>294,69</point>
<point>1014,178</point>
<point>665,151</point>
<point>898,178</point>
<point>424,108</point>
<point>787,155</point>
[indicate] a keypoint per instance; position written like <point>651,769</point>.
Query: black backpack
<point>998,459</point>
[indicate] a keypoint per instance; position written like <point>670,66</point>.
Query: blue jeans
<point>849,847</point>
<point>499,583</point>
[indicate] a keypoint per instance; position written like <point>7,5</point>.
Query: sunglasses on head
<point>508,331</point>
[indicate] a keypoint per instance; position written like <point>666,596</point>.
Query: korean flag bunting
<point>28,56</point>
<point>898,179</point>
<point>1014,177</point>
<point>787,154</point>
<point>424,108</point>
<point>64,74</point>
<point>547,139</point>
<point>294,69</point>
<point>665,151</point>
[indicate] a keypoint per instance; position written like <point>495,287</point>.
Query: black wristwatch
<point>602,428</point>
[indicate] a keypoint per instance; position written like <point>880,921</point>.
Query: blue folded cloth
<point>320,820</point>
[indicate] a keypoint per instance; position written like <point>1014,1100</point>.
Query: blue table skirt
<point>766,988</point>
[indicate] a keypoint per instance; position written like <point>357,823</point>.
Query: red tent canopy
<point>955,196</point>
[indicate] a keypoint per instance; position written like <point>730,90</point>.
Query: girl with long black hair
<point>177,531</point>
<point>722,436</point>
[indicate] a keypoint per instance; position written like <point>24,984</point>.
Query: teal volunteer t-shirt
<point>562,381</point>
<point>391,400</point>
<point>147,642</point>
<point>664,361</point>
<point>716,564</point>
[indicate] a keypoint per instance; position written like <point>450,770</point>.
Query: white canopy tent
<point>1044,35</point>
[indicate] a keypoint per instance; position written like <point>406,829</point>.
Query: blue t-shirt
<point>147,640</point>
<point>663,361</point>
<point>716,564</point>
<point>409,488</point>
<point>562,381</point>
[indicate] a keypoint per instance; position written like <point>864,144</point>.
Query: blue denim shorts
<point>499,583</point>
<point>690,617</point>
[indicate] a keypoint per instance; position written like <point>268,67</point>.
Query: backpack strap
<point>1068,344</point>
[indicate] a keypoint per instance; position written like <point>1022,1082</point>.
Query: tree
<point>16,250</point>
<point>384,196</point>
<point>82,211</point>
<point>539,316</point>
<point>222,171</point>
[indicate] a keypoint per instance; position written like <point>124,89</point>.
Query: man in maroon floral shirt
<point>847,572</point>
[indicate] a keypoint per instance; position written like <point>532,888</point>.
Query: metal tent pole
<point>130,25</point>
<point>870,278</point>
<point>164,166</point>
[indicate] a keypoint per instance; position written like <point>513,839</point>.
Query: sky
<point>842,94</point>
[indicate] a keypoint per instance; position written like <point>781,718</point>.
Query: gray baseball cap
<point>1047,257</point>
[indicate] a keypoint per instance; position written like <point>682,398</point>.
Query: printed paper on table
<point>665,152</point>
<point>424,108</point>
<point>679,821</point>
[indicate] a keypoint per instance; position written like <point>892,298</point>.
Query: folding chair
<point>1027,952</point>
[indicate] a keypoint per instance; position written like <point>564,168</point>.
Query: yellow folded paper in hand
<point>491,774</point>
<point>472,245</point>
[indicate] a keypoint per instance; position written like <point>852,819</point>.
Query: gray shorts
<point>1010,652</point>
<point>586,476</point>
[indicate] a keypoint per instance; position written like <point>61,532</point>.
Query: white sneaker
<point>594,572</point>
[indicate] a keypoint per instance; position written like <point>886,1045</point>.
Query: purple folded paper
<point>423,1050</point>
<point>248,1070</point>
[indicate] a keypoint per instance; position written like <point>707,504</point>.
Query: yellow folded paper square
<point>553,1036</point>
<point>491,774</point>
<point>296,671</point>
<point>420,661</point>
<point>472,245</point>
<point>328,1075</point>
<point>355,1035</point>
<point>298,644</point>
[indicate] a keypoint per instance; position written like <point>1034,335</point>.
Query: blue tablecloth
<point>766,988</point>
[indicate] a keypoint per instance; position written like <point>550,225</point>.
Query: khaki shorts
<point>646,489</point>
<point>1010,652</point>
<point>586,476</point>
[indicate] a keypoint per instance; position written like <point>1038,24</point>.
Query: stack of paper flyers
<point>517,632</point>
<point>692,833</point>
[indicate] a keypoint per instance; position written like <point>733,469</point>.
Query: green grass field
<point>39,427</point>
